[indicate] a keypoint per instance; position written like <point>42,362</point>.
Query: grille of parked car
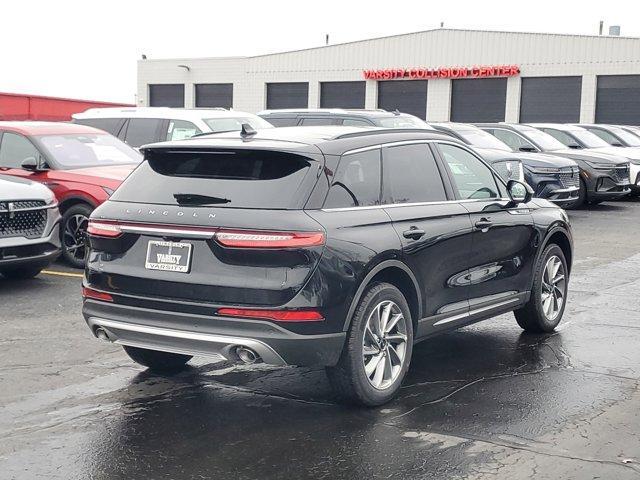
<point>22,218</point>
<point>570,177</point>
<point>621,174</point>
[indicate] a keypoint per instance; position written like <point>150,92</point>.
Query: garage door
<point>342,94</point>
<point>478,100</point>
<point>407,96</point>
<point>550,99</point>
<point>618,99</point>
<point>212,95</point>
<point>166,95</point>
<point>287,95</point>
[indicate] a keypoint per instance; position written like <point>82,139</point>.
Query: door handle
<point>414,233</point>
<point>484,224</point>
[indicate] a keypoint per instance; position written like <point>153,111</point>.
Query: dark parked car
<point>327,246</point>
<point>81,165</point>
<point>619,137</point>
<point>555,178</point>
<point>29,218</point>
<point>602,176</point>
<point>339,116</point>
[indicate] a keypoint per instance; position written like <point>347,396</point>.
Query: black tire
<point>73,231</point>
<point>24,273</point>
<point>348,378</point>
<point>532,317</point>
<point>161,362</point>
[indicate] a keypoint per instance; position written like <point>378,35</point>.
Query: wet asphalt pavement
<point>486,401</point>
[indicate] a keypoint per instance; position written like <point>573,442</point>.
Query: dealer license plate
<point>168,256</point>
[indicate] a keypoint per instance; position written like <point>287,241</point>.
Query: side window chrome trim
<point>419,204</point>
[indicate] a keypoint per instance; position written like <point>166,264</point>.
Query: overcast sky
<point>87,49</point>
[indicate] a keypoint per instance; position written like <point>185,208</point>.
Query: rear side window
<point>282,122</point>
<point>411,175</point>
<point>110,125</point>
<point>356,122</point>
<point>181,129</point>
<point>512,139</point>
<point>142,130</point>
<point>357,181</point>
<point>224,178</point>
<point>319,121</point>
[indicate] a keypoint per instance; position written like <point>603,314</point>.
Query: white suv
<point>142,125</point>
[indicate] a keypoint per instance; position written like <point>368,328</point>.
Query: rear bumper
<point>194,334</point>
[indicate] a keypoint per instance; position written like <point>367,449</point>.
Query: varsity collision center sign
<point>480,71</point>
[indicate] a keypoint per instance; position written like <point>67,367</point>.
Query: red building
<point>15,106</point>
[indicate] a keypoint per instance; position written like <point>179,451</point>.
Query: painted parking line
<point>63,274</point>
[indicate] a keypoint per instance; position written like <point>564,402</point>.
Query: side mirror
<point>617,144</point>
<point>527,148</point>
<point>574,146</point>
<point>30,163</point>
<point>519,192</point>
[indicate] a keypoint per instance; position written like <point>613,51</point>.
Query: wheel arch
<point>397,274</point>
<point>560,236</point>
<point>72,200</point>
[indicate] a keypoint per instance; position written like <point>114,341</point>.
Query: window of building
<point>214,95</point>
<point>169,95</point>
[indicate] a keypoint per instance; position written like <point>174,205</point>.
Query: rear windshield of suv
<point>224,178</point>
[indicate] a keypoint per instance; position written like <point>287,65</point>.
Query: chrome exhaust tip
<point>246,355</point>
<point>101,333</point>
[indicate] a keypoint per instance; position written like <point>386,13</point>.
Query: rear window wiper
<point>194,199</point>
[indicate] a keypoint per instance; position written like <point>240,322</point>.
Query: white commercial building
<point>443,74</point>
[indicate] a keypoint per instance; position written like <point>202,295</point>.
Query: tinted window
<point>181,129</point>
<point>411,175</point>
<point>512,139</point>
<point>14,149</point>
<point>142,130</point>
<point>111,125</point>
<point>318,121</point>
<point>225,178</point>
<point>472,178</point>
<point>76,151</point>
<point>562,137</point>
<point>235,123</point>
<point>282,122</point>
<point>606,136</point>
<point>356,122</point>
<point>356,182</point>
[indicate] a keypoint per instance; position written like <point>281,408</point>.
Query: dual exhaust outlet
<point>244,355</point>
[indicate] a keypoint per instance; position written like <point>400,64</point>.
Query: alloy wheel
<point>384,344</point>
<point>553,287</point>
<point>75,231</point>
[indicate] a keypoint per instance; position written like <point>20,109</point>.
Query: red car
<point>81,165</point>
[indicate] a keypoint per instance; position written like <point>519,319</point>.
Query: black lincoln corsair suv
<point>329,246</point>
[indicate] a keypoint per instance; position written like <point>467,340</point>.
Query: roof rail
<point>375,131</point>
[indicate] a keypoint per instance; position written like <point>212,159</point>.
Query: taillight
<point>103,229</point>
<point>275,315</point>
<point>249,239</point>
<point>96,295</point>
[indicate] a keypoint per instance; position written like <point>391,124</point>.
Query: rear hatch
<point>221,226</point>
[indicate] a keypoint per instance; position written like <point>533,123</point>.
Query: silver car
<point>29,219</point>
